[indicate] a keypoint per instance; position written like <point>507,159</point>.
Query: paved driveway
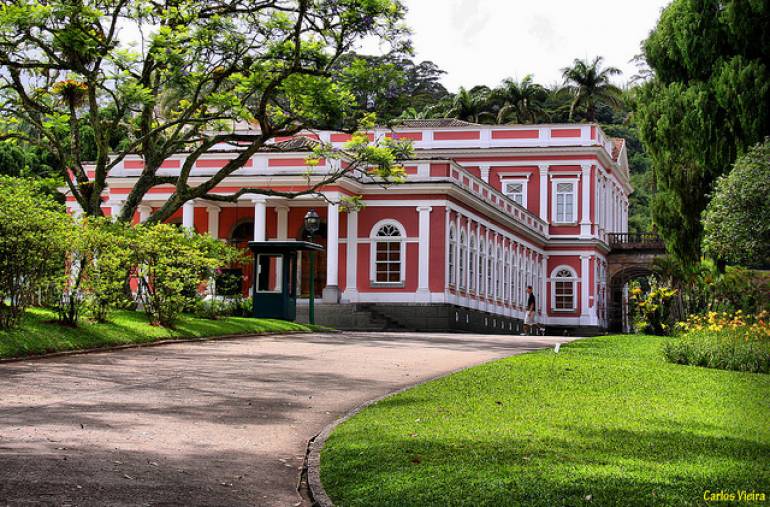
<point>205,423</point>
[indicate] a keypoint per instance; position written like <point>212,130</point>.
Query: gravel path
<point>205,423</point>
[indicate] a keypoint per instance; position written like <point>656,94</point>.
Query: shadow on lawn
<point>614,467</point>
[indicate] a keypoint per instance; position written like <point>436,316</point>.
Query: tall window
<point>500,273</point>
<point>566,202</point>
<point>472,265</point>
<point>510,277</point>
<point>463,258</point>
<point>489,269</point>
<point>517,191</point>
<point>388,254</point>
<point>451,258</point>
<point>483,287</point>
<point>564,288</point>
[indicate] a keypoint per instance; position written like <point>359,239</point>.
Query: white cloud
<point>484,41</point>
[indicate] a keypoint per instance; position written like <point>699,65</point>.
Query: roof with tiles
<point>617,146</point>
<point>433,123</point>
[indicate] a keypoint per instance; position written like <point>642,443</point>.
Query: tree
<point>201,69</point>
<point>99,256</point>
<point>707,102</point>
<point>470,105</point>
<point>737,219</point>
<point>390,84</point>
<point>33,238</point>
<point>520,101</point>
<point>590,86</point>
<point>171,264</point>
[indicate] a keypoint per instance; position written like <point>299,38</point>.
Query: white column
<point>281,234</point>
<point>351,271</point>
<point>188,215</point>
<point>144,213</point>
<point>75,209</point>
<point>260,218</point>
<point>484,173</point>
<point>625,217</point>
<point>542,300</point>
<point>282,222</point>
<point>585,282</point>
<point>115,208</point>
<point>543,169</point>
<point>213,212</point>
<point>585,221</point>
<point>331,293</point>
<point>423,278</point>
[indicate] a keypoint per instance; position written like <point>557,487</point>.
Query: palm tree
<point>590,85</point>
<point>521,101</point>
<point>470,105</point>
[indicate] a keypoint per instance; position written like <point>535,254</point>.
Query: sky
<point>485,41</point>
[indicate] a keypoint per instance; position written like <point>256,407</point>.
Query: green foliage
<point>737,219</point>
<point>39,333</point>
<point>604,422</point>
<point>589,85</point>
<point>34,231</point>
<point>653,309</point>
<point>709,100</point>
<point>100,262</point>
<point>171,264</point>
<point>727,342</point>
<point>742,289</point>
<point>216,308</point>
<point>199,70</point>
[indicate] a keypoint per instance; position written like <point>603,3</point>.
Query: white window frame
<point>554,197</point>
<point>573,279</point>
<point>374,239</point>
<point>524,184</point>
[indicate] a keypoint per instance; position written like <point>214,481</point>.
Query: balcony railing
<point>635,241</point>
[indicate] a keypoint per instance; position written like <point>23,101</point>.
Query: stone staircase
<point>350,317</point>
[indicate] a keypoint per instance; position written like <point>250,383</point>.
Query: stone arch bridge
<point>631,256</point>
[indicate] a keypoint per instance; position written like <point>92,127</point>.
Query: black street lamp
<point>312,224</point>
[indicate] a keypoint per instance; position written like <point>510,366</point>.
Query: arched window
<point>563,289</point>
<point>472,265</point>
<point>483,287</point>
<point>463,258</point>
<point>452,256</point>
<point>388,253</point>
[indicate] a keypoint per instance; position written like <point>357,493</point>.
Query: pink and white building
<point>484,212</point>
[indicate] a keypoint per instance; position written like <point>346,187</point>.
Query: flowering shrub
<point>728,341</point>
<point>652,309</point>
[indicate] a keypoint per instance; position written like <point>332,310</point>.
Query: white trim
<point>504,181</point>
<point>373,252</point>
<point>574,279</point>
<point>423,275</point>
<point>554,197</point>
<point>492,227</point>
<point>351,256</point>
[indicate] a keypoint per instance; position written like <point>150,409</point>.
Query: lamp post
<point>312,223</point>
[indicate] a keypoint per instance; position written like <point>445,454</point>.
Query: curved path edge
<point>312,469</point>
<point>156,343</point>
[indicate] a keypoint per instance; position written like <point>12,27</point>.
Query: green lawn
<point>605,422</point>
<point>39,333</point>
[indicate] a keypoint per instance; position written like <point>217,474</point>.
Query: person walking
<point>529,318</point>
